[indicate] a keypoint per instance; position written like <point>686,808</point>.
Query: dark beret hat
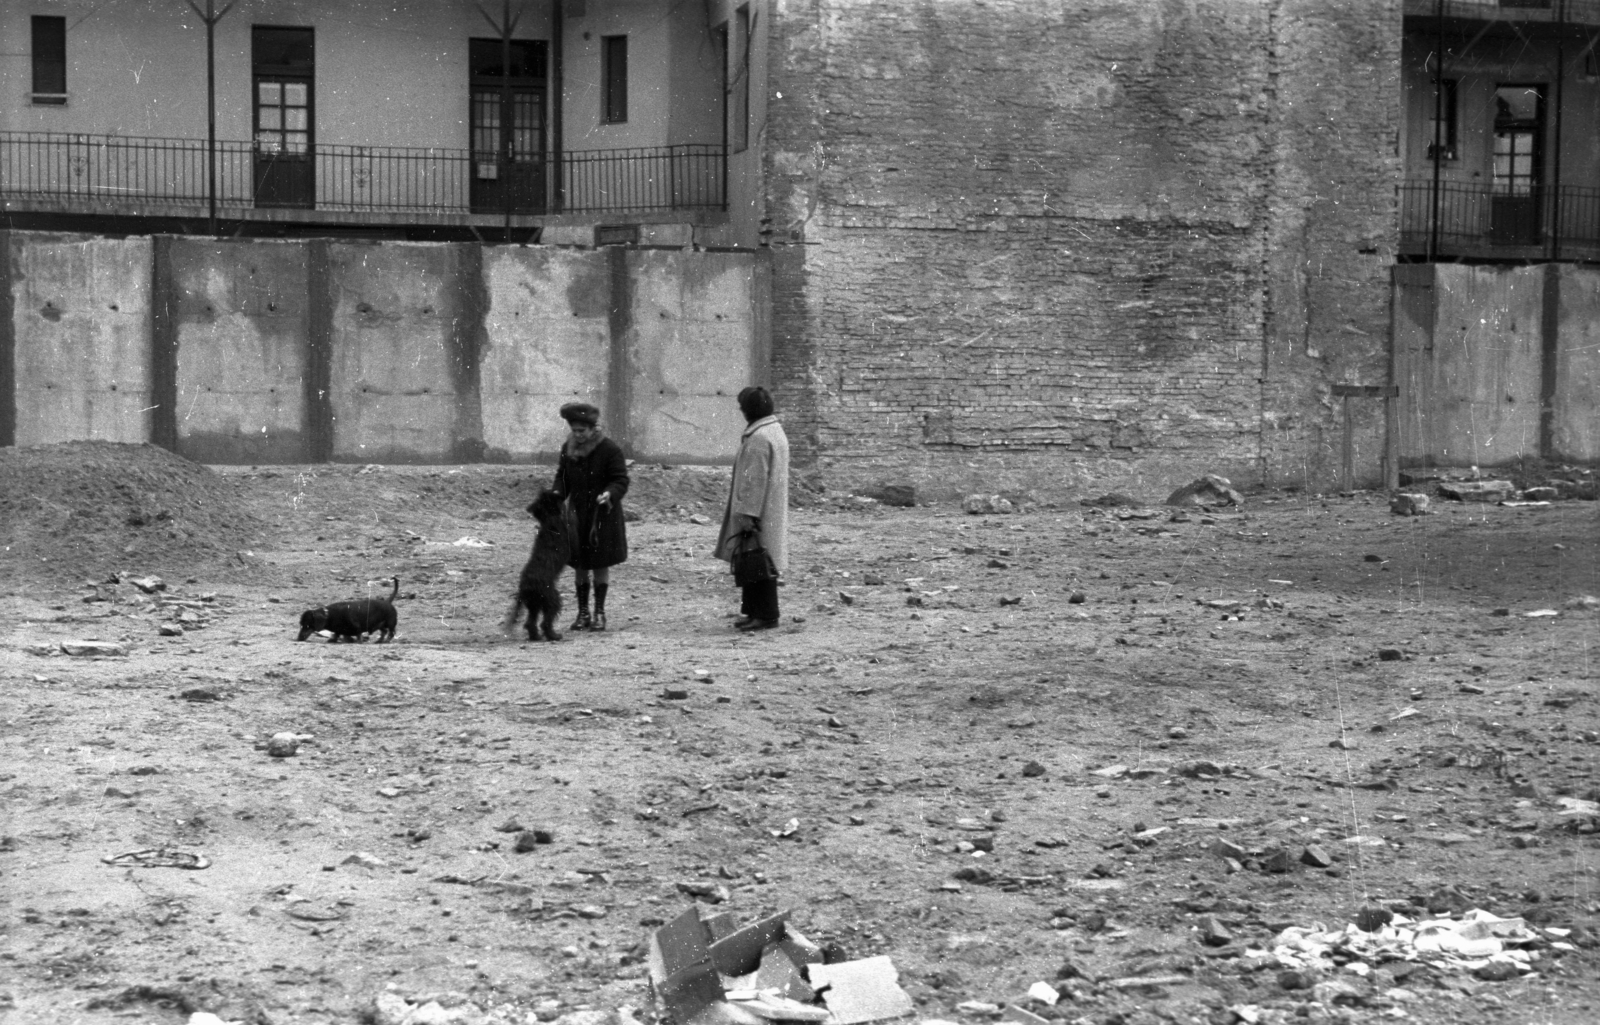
<point>580,412</point>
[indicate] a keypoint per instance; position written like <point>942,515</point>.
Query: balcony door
<point>284,151</point>
<point>508,126</point>
<point>1516,202</point>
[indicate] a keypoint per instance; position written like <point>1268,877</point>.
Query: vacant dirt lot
<point>933,690</point>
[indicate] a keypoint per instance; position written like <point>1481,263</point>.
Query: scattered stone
<point>1213,933</point>
<point>1342,744</point>
<point>84,649</point>
<point>1541,494</point>
<point>365,860</point>
<point>977,505</point>
<point>1277,861</point>
<point>170,630</point>
<point>1044,993</point>
<point>902,496</point>
<point>201,694</point>
<point>149,585</point>
<point>1011,599</point>
<point>1206,491</point>
<point>1406,504</point>
<point>872,579</point>
<point>1077,598</point>
<point>1316,857</point>
<point>1296,978</point>
<point>1371,918</point>
<point>1584,603</point>
<point>1112,500</point>
<point>283,745</point>
<point>1390,655</point>
<point>1177,733</point>
<point>1498,971</point>
<point>1477,490</point>
<point>675,694</point>
<point>1033,768</point>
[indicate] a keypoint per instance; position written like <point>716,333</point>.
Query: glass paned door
<point>1517,171</point>
<point>508,150</point>
<point>284,152</point>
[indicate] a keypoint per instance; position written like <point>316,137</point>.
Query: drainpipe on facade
<point>558,30</point>
<point>1438,128</point>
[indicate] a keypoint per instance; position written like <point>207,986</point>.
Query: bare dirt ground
<point>933,692</point>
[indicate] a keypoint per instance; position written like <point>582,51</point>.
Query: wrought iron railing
<point>153,172</point>
<point>1477,219</point>
<point>1583,12</point>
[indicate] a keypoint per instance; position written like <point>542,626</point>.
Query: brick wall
<point>1036,243</point>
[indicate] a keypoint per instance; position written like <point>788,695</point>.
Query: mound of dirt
<point>86,508</point>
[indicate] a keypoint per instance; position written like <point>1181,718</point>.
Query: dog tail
<point>396,592</point>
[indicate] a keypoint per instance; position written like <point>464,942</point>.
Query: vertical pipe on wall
<point>1549,352</point>
<point>8,348</point>
<point>558,28</point>
<point>1438,127</point>
<point>1555,198</point>
<point>162,428</point>
<point>317,399</point>
<point>619,391</point>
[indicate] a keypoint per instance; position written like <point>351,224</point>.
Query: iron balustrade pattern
<point>1475,219</point>
<point>153,172</point>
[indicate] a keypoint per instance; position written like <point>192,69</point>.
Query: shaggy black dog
<point>353,620</point>
<point>536,590</point>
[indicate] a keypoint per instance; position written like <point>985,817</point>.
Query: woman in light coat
<point>758,500</point>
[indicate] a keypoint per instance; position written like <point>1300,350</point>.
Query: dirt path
<point>933,688</point>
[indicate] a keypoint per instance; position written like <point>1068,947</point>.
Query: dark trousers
<point>759,601</point>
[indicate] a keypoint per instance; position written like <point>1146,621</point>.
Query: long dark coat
<point>602,540</point>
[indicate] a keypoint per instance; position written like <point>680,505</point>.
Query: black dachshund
<point>536,590</point>
<point>353,620</point>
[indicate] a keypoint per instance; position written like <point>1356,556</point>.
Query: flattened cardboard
<point>860,991</point>
<point>682,977</point>
<point>739,952</point>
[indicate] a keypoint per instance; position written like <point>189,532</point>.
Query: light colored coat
<point>760,489</point>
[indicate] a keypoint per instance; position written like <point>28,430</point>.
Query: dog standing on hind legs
<point>536,590</point>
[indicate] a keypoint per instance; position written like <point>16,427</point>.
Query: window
<point>1441,140</point>
<point>739,93</point>
<point>49,60</point>
<point>614,79</point>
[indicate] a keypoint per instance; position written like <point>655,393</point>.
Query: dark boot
<point>598,624</point>
<point>583,622</point>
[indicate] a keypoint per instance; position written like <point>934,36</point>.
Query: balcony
<point>1476,222</point>
<point>1531,18</point>
<point>128,176</point>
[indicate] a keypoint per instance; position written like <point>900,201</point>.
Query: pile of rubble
<point>713,971</point>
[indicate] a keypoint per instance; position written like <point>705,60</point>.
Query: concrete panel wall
<point>1470,395</point>
<point>302,351</point>
<point>686,354</point>
<point>394,374</point>
<point>549,343</point>
<point>1576,403</point>
<point>241,316</point>
<point>80,328</point>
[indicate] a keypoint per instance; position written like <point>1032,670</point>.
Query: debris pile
<point>713,971</point>
<point>1490,947</point>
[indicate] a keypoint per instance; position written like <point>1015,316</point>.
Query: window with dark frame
<point>739,94</point>
<point>49,59</point>
<point>614,79</point>
<point>1441,139</point>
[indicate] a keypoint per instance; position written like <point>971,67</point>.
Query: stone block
<point>1408,504</point>
<point>861,991</point>
<point>683,980</point>
<point>739,952</point>
<point>1477,490</point>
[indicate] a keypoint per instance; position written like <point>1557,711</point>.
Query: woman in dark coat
<point>592,476</point>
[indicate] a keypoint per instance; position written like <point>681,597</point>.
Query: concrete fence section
<point>253,351</point>
<point>1497,364</point>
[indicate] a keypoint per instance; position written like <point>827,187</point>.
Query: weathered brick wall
<point>1028,243</point>
<point>1332,224</point>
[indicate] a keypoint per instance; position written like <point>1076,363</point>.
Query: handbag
<point>752,564</point>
